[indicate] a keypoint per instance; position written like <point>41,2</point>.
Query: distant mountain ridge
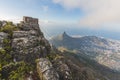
<point>104,51</point>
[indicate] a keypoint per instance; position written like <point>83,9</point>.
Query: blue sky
<point>77,17</point>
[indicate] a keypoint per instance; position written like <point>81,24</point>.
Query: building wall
<point>30,20</point>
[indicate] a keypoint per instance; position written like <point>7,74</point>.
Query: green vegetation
<point>7,45</point>
<point>10,70</point>
<point>20,72</point>
<point>53,56</point>
<point>0,70</point>
<point>5,57</point>
<point>16,71</point>
<point>9,28</point>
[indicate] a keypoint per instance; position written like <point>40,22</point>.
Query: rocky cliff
<point>26,55</point>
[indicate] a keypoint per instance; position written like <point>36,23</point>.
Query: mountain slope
<point>104,51</point>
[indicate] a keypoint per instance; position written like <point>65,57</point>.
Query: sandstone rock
<point>64,70</point>
<point>46,70</point>
<point>29,42</point>
<point>28,27</point>
<point>2,37</point>
<point>2,23</point>
<point>18,34</point>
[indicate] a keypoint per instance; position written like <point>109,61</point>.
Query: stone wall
<point>30,20</point>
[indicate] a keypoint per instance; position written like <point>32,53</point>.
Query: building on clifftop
<point>29,23</point>
<point>30,20</point>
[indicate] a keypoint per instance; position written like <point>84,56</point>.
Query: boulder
<point>2,37</point>
<point>46,70</point>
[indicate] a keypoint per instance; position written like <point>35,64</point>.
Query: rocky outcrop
<point>3,36</point>
<point>46,70</point>
<point>63,69</point>
<point>29,43</point>
<point>2,23</point>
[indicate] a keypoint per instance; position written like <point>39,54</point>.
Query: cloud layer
<point>98,12</point>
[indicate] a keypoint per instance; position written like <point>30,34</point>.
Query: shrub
<point>5,57</point>
<point>9,28</point>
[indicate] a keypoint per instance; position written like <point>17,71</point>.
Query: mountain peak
<point>65,35</point>
<point>62,36</point>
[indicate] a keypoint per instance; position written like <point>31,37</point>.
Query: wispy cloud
<point>98,12</point>
<point>7,17</point>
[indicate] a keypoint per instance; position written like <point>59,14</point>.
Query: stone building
<point>30,20</point>
<point>29,23</point>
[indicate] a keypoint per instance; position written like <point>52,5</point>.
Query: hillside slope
<point>104,52</point>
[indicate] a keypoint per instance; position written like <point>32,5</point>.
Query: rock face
<point>2,23</point>
<point>29,41</point>
<point>46,70</point>
<point>3,36</point>
<point>27,44</point>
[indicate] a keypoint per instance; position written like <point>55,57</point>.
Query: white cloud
<point>98,12</point>
<point>7,17</point>
<point>69,4</point>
